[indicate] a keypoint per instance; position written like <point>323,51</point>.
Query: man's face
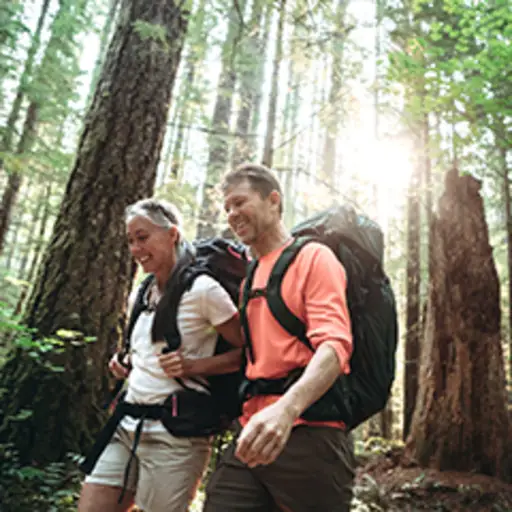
<point>250,215</point>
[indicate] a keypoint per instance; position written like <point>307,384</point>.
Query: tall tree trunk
<point>427,174</point>
<point>14,238</point>
<point>195,59</point>
<point>39,244</point>
<point>333,114</point>
<point>104,40</point>
<point>268,150</point>
<point>461,422</point>
<point>43,91</point>
<point>290,177</point>
<point>14,114</point>
<point>11,12</point>
<point>83,281</point>
<point>218,144</point>
<point>508,226</point>
<point>35,216</point>
<point>252,59</point>
<point>386,415</point>
<point>256,106</point>
<point>15,177</point>
<point>412,348</point>
<point>184,120</point>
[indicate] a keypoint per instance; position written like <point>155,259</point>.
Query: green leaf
<point>22,415</point>
<point>68,334</point>
<point>53,368</point>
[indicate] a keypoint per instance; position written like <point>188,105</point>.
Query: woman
<point>167,469</point>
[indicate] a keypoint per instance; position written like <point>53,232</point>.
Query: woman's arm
<point>175,365</point>
<point>215,365</point>
<point>228,362</point>
<point>231,331</point>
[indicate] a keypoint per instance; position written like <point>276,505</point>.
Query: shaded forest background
<point>401,108</point>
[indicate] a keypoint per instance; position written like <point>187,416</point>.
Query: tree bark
<point>333,114</point>
<point>104,40</point>
<point>11,27</point>
<point>251,62</point>
<point>218,144</point>
<point>15,177</point>
<point>38,243</point>
<point>46,89</point>
<point>188,88</point>
<point>460,422</point>
<point>84,277</point>
<point>412,349</point>
<point>268,150</point>
<point>14,113</point>
<point>508,227</point>
<point>256,107</point>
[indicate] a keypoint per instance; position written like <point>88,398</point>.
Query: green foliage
<point>47,489</point>
<point>152,31</point>
<point>53,86</point>
<point>11,29</point>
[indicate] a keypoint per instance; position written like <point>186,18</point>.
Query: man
<point>279,460</point>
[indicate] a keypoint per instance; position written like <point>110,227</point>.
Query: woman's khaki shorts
<point>164,474</point>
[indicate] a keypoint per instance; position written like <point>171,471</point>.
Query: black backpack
<point>226,262</point>
<point>357,242</point>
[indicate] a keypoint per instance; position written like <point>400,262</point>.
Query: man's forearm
<point>319,375</point>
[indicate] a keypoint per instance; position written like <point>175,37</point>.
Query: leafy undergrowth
<point>54,488</point>
<point>382,485</point>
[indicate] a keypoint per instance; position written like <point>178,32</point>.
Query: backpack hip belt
<point>326,408</point>
<point>139,411</point>
<point>184,413</point>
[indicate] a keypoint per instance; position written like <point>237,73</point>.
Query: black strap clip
<point>257,292</point>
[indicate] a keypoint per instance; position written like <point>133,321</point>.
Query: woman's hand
<point>175,365</point>
<point>118,370</point>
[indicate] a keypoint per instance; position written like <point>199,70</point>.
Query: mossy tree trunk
<point>460,421</point>
<point>84,277</point>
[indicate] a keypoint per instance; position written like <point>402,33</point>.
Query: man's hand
<point>174,364</point>
<point>265,435</point>
<point>118,370</point>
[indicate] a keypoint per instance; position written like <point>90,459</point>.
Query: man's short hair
<point>260,178</point>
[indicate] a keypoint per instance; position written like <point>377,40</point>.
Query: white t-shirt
<point>205,305</point>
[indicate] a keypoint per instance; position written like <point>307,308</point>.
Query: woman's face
<point>152,246</point>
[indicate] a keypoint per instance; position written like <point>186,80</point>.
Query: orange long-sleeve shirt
<point>313,288</point>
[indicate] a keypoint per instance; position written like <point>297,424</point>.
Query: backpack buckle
<point>257,292</point>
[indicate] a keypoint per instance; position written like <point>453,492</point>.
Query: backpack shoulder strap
<point>246,295</point>
<point>138,307</point>
<point>166,326</point>
<point>289,321</point>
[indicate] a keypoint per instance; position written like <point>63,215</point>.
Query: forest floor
<point>383,485</point>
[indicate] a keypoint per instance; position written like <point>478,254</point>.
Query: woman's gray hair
<point>158,211</point>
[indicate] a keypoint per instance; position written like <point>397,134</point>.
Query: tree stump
<point>460,421</point>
